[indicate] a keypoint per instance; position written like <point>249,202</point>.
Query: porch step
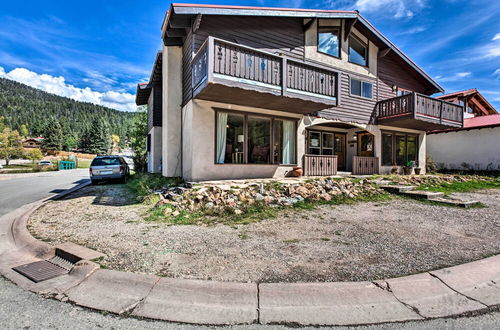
<point>397,189</point>
<point>430,195</point>
<point>455,202</point>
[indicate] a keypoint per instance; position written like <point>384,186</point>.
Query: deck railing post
<point>414,104</point>
<point>441,103</point>
<point>284,70</point>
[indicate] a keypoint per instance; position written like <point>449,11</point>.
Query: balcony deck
<point>223,71</point>
<point>420,112</point>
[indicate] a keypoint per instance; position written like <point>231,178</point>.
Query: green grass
<point>468,186</point>
<point>84,163</point>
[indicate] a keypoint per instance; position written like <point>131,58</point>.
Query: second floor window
<point>361,88</point>
<point>329,41</point>
<point>358,51</point>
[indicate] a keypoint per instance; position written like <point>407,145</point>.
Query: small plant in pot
<point>417,169</point>
<point>409,165</point>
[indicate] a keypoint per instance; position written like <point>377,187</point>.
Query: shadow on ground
<point>109,193</point>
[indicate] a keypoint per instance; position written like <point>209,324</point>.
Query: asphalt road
<point>20,309</point>
<point>27,188</point>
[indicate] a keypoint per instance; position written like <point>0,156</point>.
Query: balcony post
<point>284,70</point>
<point>414,104</point>
<point>210,58</point>
<point>441,111</point>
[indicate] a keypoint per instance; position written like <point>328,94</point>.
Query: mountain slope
<point>22,104</point>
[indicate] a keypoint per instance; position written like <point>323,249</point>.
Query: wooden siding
<point>271,34</point>
<point>285,36</point>
<point>352,108</point>
<point>391,72</point>
<point>157,105</point>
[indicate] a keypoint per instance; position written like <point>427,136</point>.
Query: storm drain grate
<point>46,269</point>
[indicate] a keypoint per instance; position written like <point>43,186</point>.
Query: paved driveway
<point>17,190</point>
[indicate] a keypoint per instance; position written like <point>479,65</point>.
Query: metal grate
<point>46,269</point>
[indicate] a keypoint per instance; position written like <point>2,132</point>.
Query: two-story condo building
<point>245,92</point>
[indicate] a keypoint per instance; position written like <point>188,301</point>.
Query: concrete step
<point>455,202</point>
<point>430,195</point>
<point>397,189</point>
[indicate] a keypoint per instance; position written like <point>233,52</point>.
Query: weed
<point>243,235</point>
<point>291,241</point>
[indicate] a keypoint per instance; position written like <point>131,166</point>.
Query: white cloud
<point>496,37</point>
<point>492,51</point>
<point>58,86</point>
<point>397,8</point>
<point>454,77</point>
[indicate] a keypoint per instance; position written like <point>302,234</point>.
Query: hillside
<point>21,104</point>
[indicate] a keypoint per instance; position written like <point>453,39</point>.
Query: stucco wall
<point>171,101</point>
<point>311,51</point>
<point>155,154</point>
<point>477,149</point>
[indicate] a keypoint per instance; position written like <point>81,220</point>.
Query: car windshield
<point>105,161</point>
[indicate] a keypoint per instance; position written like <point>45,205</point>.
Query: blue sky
<point>98,50</point>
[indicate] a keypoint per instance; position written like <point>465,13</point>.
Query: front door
<point>365,145</point>
<point>327,144</point>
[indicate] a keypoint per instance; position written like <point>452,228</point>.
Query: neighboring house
<point>474,147</point>
<point>33,142</point>
<point>473,102</point>
<point>245,92</point>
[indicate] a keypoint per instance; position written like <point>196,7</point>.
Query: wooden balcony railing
<point>420,106</point>
<point>364,165</point>
<point>316,165</point>
<point>223,59</point>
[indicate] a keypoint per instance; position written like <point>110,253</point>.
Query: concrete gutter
<point>463,289</point>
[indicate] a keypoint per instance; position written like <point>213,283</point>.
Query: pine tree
<point>97,138</point>
<point>54,136</point>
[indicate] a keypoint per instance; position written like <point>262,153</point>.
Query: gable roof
<point>179,17</point>
<point>144,89</point>
<point>482,121</point>
<point>473,93</point>
<point>474,123</point>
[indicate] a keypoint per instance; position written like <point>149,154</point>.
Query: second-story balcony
<point>227,72</point>
<point>418,111</point>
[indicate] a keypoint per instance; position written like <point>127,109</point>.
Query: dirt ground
<point>365,241</point>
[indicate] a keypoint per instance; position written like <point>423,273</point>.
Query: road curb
<point>463,289</point>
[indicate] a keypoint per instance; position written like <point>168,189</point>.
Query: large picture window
<point>358,51</point>
<point>254,139</point>
<point>399,148</point>
<point>329,41</point>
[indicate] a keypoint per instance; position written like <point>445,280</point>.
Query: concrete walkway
<point>469,288</point>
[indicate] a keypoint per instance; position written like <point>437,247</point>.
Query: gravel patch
<point>365,241</point>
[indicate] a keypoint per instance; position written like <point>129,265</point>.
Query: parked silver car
<point>108,168</point>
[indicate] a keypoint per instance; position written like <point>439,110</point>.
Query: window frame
<point>245,116</point>
<point>394,134</point>
<point>361,88</point>
<point>367,51</point>
<point>339,35</point>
